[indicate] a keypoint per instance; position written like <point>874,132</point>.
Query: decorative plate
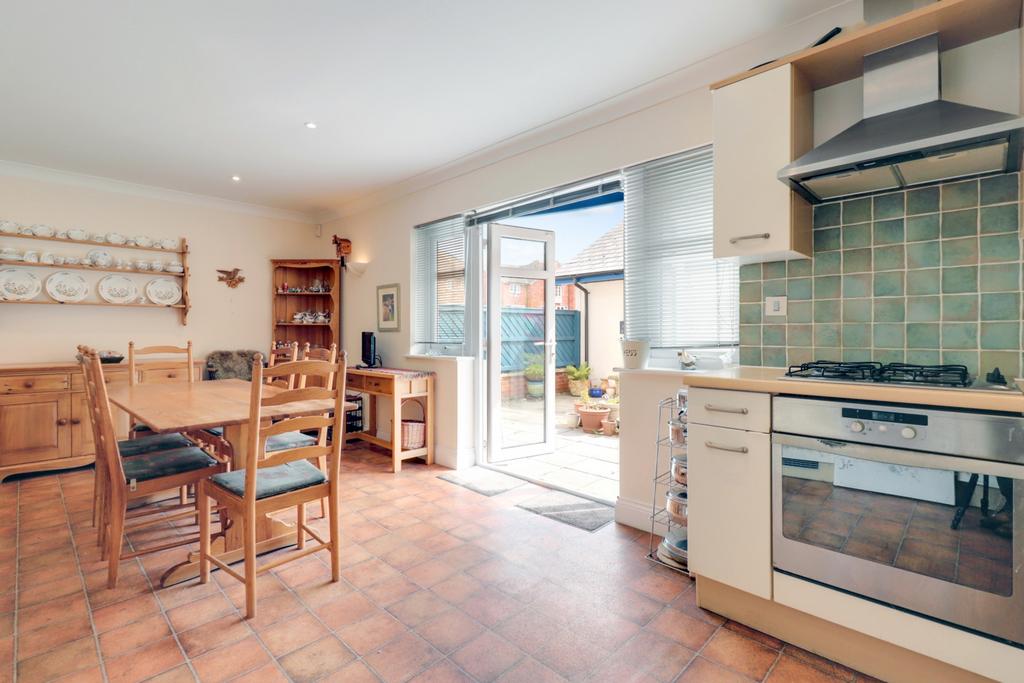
<point>116,238</point>
<point>66,287</point>
<point>19,285</point>
<point>163,291</point>
<point>169,243</point>
<point>117,289</point>
<point>143,240</point>
<point>100,258</point>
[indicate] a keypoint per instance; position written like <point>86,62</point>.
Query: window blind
<point>439,282</point>
<point>676,294</point>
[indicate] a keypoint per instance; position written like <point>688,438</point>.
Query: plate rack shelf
<point>302,274</point>
<point>182,253</point>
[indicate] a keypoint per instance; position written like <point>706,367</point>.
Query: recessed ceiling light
<point>310,124</point>
<point>236,179</point>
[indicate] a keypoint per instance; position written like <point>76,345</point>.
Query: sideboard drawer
<point>354,382</point>
<point>31,384</point>
<point>111,376</point>
<point>379,384</point>
<point>162,375</point>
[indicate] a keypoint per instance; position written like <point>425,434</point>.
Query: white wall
<point>605,313</point>
<point>218,237</point>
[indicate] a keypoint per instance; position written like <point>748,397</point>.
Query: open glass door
<point>520,322</point>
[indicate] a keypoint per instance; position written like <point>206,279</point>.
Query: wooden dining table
<point>192,407</point>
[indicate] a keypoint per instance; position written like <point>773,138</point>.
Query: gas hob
<point>901,374</point>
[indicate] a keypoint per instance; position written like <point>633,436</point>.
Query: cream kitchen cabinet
<point>730,491</point>
<point>760,124</point>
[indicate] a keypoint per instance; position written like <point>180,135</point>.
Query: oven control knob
<point>908,432</point>
<point>856,427</point>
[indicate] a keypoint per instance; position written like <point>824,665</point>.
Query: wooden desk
<point>224,403</point>
<point>400,386</point>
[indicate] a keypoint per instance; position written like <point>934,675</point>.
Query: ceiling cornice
<point>52,175</point>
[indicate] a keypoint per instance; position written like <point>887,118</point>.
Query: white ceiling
<point>185,94</point>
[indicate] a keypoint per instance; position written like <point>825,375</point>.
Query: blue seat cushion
<point>139,427</point>
<point>273,481</point>
<point>216,431</point>
<point>282,442</point>
<point>166,463</point>
<point>154,442</point>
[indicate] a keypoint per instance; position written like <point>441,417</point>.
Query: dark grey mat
<point>483,481</point>
<point>564,507</point>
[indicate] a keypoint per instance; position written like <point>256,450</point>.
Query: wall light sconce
<point>356,268</point>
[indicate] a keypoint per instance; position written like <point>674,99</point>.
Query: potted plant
<point>534,374</point>
<point>608,427</point>
<point>579,378</point>
<point>591,417</point>
<point>612,404</point>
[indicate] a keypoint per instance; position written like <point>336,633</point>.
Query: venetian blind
<point>439,282</point>
<point>676,294</point>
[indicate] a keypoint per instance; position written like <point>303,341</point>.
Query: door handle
<point>731,449</point>
<point>712,408</point>
<point>755,236</point>
<point>75,421</point>
<point>62,422</point>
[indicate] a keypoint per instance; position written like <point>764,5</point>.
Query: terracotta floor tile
<point>304,571</point>
<point>442,672</point>
<point>418,608</point>
<point>356,672</point>
<point>687,604</point>
<point>740,654</point>
<point>490,606</point>
<point>530,630</point>
<point>647,657</point>
<point>121,613</point>
<point>65,659</point>
<point>705,671</point>
<point>818,662</point>
<point>214,634</point>
<point>291,634</point>
<point>53,635</point>
<point>348,609</point>
<point>402,658</point>
<point>315,660</point>
<point>316,593</point>
<point>6,624</point>
<point>405,556</point>
<point>145,662</point>
<point>390,590</point>
<point>126,638</point>
<point>368,573</point>
<point>763,638</point>
<point>193,614</point>
<point>571,655</point>
<point>91,675</point>
<point>231,660</point>
<point>529,670</point>
<point>659,585</point>
<point>457,589</point>
<point>179,674</point>
<point>449,631</point>
<point>268,673</point>
<point>487,656</point>
<point>50,612</point>
<point>791,670</point>
<point>683,629</point>
<point>371,633</point>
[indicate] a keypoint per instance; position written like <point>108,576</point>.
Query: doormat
<point>569,509</point>
<point>483,481</point>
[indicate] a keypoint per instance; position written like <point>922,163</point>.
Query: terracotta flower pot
<point>579,387</point>
<point>608,427</point>
<point>591,418</point>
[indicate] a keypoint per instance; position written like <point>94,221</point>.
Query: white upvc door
<point>520,327</point>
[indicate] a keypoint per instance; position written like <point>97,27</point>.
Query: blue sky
<point>574,230</point>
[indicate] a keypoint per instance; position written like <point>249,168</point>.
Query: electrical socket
<point>775,305</point>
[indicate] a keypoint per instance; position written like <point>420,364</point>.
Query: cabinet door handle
<point>29,384</point>
<point>62,422</point>
<point>712,408</point>
<point>75,421</point>
<point>731,449</point>
<point>755,236</point>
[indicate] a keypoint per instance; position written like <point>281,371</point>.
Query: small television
<point>369,350</point>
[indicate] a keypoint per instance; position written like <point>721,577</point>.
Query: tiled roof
<point>603,256</point>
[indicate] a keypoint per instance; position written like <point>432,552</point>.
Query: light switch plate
<point>775,305</point>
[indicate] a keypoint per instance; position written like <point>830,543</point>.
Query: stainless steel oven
<point>919,508</point>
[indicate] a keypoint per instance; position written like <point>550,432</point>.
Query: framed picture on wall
<point>387,308</point>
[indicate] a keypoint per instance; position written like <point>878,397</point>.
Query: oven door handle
<point>898,456</point>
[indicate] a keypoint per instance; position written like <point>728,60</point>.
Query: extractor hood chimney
<point>909,136</point>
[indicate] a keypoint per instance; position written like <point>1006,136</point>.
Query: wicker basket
<point>414,432</point>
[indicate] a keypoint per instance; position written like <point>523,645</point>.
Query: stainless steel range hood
<point>909,136</point>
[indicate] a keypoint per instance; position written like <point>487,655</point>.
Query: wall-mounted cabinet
<point>760,125</point>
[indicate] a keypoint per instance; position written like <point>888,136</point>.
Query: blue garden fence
<point>521,330</point>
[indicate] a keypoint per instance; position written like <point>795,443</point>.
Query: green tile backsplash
<point>931,275</point>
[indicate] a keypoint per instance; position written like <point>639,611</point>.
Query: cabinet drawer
<point>729,525</point>
<point>111,376</point>
<point>379,384</point>
<point>354,381</point>
<point>30,384</point>
<point>734,409</point>
<point>156,376</point>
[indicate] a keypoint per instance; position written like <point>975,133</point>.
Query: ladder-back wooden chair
<point>126,448</point>
<point>331,356</point>
<point>283,354</point>
<point>137,477</point>
<point>282,479</point>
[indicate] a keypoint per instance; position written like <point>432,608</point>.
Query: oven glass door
<point>931,533</point>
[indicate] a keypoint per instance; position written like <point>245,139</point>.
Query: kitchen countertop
<point>768,381</point>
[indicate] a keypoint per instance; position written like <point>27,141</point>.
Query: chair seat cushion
<point>273,481</point>
<point>216,431</point>
<point>166,463</point>
<point>139,427</point>
<point>153,442</point>
<point>282,442</point>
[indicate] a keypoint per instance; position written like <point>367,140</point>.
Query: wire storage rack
<point>669,509</point>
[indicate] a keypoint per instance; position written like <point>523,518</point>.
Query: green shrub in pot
<point>579,378</point>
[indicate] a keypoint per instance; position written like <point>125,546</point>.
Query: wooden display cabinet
<point>301,274</point>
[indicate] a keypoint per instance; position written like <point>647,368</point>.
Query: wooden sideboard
<point>44,421</point>
<point>400,386</point>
